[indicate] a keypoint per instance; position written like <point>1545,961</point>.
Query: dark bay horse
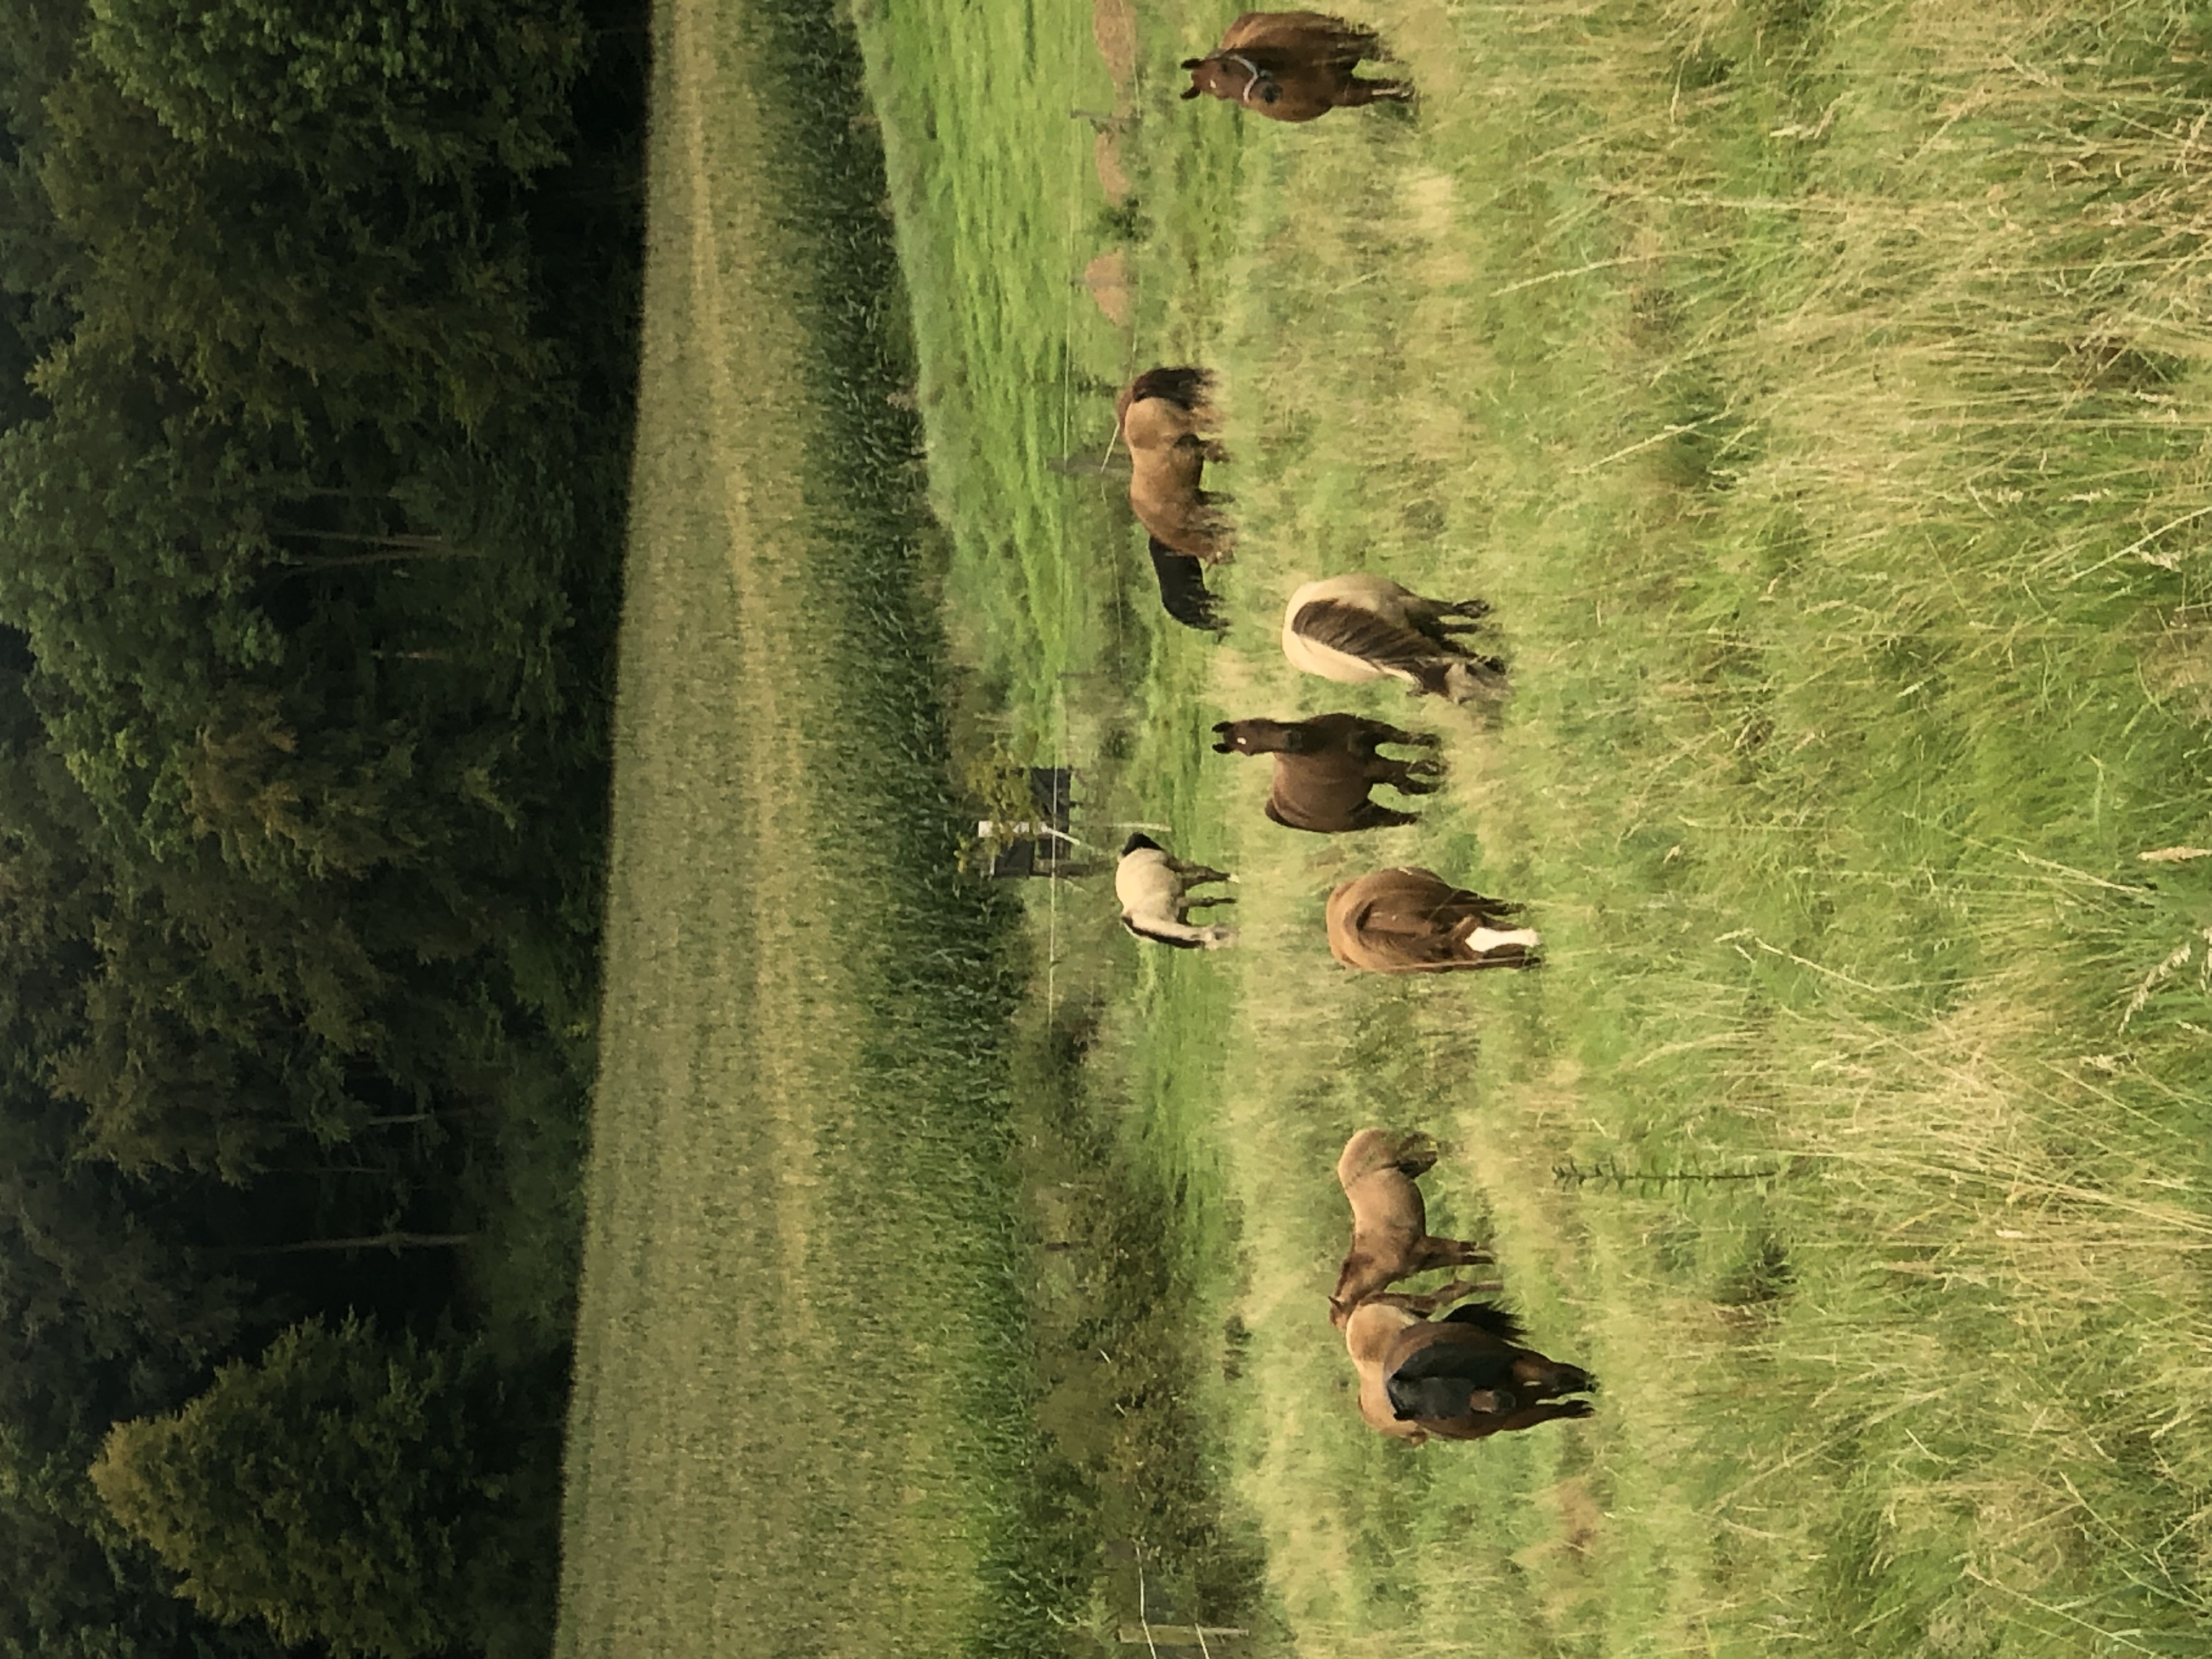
<point>1467,1375</point>
<point>1325,766</point>
<point>1291,66</point>
<point>1167,418</point>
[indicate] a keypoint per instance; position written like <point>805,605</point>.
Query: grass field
<point>1818,392</point>
<point>1815,391</point>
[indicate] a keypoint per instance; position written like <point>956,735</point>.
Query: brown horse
<point>1165,417</point>
<point>1325,766</point>
<point>1391,1237</point>
<point>1359,627</point>
<point>1367,1334</point>
<point>1466,1375</point>
<point>1406,921</point>
<point>1291,66</point>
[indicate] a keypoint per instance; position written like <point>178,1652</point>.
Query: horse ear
<point>1193,63</point>
<point>1189,92</point>
<point>1221,725</point>
<point>1224,748</point>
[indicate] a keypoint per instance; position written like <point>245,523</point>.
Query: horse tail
<point>1188,387</point>
<point>1183,593</point>
<point>1500,1323</point>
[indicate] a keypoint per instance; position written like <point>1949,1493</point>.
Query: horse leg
<point>1371,815</point>
<point>1529,1416</point>
<point>1433,1252</point>
<point>1192,874</point>
<point>1358,94</point>
<point>1392,734</point>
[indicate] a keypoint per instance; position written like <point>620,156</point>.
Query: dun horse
<point>1325,766</point>
<point>1406,920</point>
<point>1291,66</point>
<point>1359,628</point>
<point>1467,1375</point>
<point>1166,418</point>
<point>1154,888</point>
<point>1390,1236</point>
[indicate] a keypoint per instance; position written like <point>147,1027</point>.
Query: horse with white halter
<point>1154,888</point>
<point>1291,66</point>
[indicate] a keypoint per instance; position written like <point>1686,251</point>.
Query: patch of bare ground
<point>1107,278</point>
<point>1113,178</point>
<point>1113,27</point>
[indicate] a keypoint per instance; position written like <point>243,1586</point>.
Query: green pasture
<point>1816,392</point>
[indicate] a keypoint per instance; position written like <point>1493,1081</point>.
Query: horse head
<point>1260,736</point>
<point>1234,79</point>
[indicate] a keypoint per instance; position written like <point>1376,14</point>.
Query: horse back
<point>1301,36</point>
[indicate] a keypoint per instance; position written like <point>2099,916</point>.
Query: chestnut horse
<point>1359,628</point>
<point>1466,1375</point>
<point>1291,66</point>
<point>1325,766</point>
<point>1166,418</point>
<point>1406,920</point>
<point>1391,1237</point>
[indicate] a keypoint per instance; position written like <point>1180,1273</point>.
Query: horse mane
<point>1183,593</point>
<point>1500,1323</point>
<point>1188,387</point>
<point>1376,640</point>
<point>1162,938</point>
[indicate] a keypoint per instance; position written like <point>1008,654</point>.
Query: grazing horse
<point>1368,1334</point>
<point>1291,66</point>
<point>1165,417</point>
<point>1390,1236</point>
<point>1466,1375</point>
<point>1406,921</point>
<point>1182,588</point>
<point>1154,888</point>
<point>1359,628</point>
<point>1325,766</point>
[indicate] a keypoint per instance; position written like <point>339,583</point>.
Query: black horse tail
<point>1186,387</point>
<point>1182,588</point>
<point>1137,843</point>
<point>1487,1316</point>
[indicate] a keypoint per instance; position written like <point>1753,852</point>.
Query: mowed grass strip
<point>1818,392</point>
<point>799,1360</point>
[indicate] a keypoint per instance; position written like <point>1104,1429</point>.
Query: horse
<point>1359,628</point>
<point>1291,66</point>
<point>1325,766</point>
<point>1466,1375</point>
<point>1390,1239</point>
<point>1154,887</point>
<point>1367,1334</point>
<point>1165,416</point>
<point>1406,920</point>
<point>1183,592</point>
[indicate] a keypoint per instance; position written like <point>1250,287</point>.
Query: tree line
<point>318,340</point>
